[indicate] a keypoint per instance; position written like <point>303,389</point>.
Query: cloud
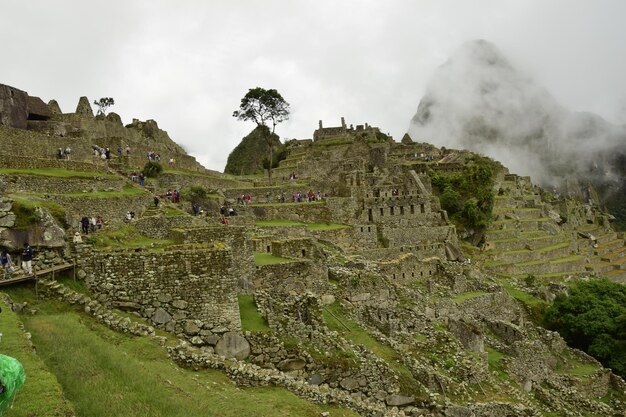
<point>188,64</point>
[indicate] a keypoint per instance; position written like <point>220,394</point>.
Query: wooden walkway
<point>36,275</point>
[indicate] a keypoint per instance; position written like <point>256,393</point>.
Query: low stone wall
<point>29,162</point>
<point>159,227</point>
<point>303,212</point>
<point>175,181</point>
<point>188,290</point>
<point>55,185</point>
<point>112,209</point>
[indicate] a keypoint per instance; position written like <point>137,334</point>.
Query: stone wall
<point>236,237</point>
<point>112,209</point>
<point>294,248</point>
<point>298,276</point>
<point>159,227</point>
<point>303,212</point>
<point>179,181</point>
<point>57,185</point>
<point>408,269</point>
<point>186,290</point>
<point>28,162</point>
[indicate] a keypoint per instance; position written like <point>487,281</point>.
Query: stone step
<point>521,213</point>
<point>620,264</point>
<point>599,267</point>
<point>617,275</point>
<point>522,224</point>
<point>546,253</point>
<point>559,265</point>
<point>532,243</point>
<point>608,247</point>
<point>607,237</point>
<point>615,255</point>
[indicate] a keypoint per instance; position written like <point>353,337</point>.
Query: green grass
<point>460,298</point>
<point>41,395</point>
<point>127,191</point>
<point>58,173</point>
<point>124,237</point>
<point>310,226</point>
<point>277,223</point>
<point>310,203</point>
<point>327,226</point>
<point>520,295</point>
<point>104,373</point>
<point>494,358</point>
<point>251,320</point>
<point>263,258</point>
<point>174,212</point>
<point>24,210</point>
<point>358,335</point>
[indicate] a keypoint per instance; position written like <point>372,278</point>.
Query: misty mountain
<point>477,100</point>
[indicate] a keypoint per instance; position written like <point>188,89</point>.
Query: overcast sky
<point>187,64</point>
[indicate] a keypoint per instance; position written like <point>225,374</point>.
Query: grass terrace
<point>58,173</point>
<point>310,226</point>
<point>124,237</point>
<point>251,319</point>
<point>263,258</point>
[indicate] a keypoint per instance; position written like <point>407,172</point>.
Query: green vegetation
<point>58,173</point>
<point>336,319</point>
<point>494,359</point>
<point>251,320</point>
<point>310,226</point>
<point>593,318</point>
<point>124,237</point>
<point>460,298</point>
<point>41,395</point>
<point>152,169</point>
<point>104,373</point>
<point>468,196</point>
<point>263,258</point>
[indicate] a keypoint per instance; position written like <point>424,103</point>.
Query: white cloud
<point>187,64</point>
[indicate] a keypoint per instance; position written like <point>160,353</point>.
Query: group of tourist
<point>152,156</point>
<point>64,153</point>
<point>27,261</point>
<point>141,178</point>
<point>173,196</point>
<point>91,224</point>
<point>101,152</point>
<point>296,197</point>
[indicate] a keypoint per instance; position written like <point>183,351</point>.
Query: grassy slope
<point>41,395</point>
<point>105,373</point>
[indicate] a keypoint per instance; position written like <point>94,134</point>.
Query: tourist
<point>156,201</point>
<point>107,153</point>
<point>99,222</point>
<point>119,151</point>
<point>60,153</point>
<point>7,265</point>
<point>127,150</point>
<point>27,259</point>
<point>168,195</point>
<point>128,216</point>
<point>84,222</point>
<point>77,238</point>
<point>142,179</point>
<point>224,221</point>
<point>232,212</point>
<point>67,152</point>
<point>92,224</point>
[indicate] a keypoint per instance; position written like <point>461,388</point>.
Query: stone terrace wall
<point>158,227</point>
<point>177,289</point>
<point>55,185</point>
<point>234,236</point>
<point>304,212</point>
<point>176,181</point>
<point>28,162</point>
<point>112,209</point>
<point>299,276</point>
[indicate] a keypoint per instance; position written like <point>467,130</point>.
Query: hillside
<point>343,289</point>
<point>478,101</point>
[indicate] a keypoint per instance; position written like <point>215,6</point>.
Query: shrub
<point>152,169</point>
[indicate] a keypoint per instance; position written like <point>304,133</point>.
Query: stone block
<point>161,316</point>
<point>399,400</point>
<point>233,345</point>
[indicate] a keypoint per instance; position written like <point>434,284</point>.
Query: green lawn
<point>59,173</point>
<point>460,298</point>
<point>263,258</point>
<point>124,237</point>
<point>104,373</point>
<point>251,319</point>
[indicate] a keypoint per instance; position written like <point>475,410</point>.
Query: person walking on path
<point>7,265</point>
<point>27,259</point>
